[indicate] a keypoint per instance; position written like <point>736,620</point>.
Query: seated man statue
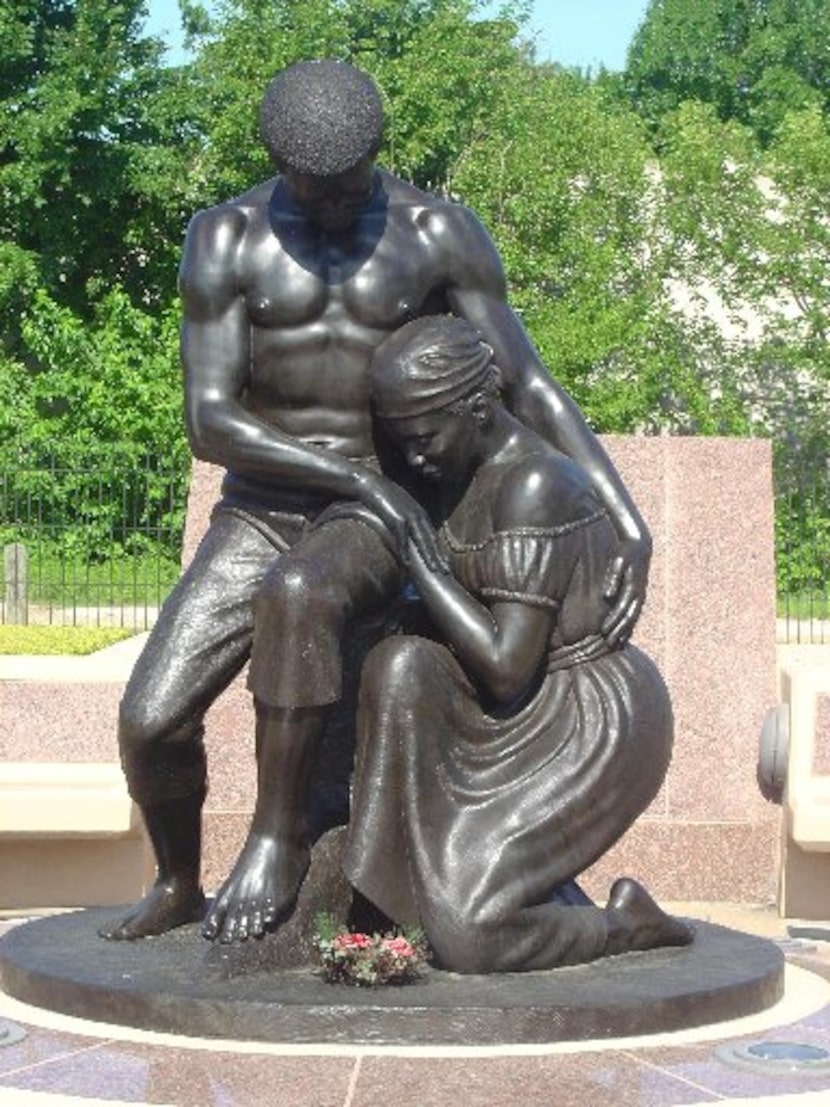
<point>287,291</point>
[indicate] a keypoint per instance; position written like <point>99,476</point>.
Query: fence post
<point>16,575</point>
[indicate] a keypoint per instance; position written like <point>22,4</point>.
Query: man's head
<point>321,118</point>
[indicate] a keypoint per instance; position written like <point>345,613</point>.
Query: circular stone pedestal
<point>177,983</point>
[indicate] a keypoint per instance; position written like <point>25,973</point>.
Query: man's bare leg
<point>176,898</point>
<point>636,922</point>
<point>263,885</point>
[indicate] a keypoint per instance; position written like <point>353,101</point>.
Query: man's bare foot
<point>636,922</point>
<point>168,904</point>
<point>261,889</point>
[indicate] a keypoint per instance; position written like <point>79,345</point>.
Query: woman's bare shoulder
<point>543,489</point>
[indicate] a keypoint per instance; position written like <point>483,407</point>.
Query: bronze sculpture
<point>287,291</point>
<point>503,756</point>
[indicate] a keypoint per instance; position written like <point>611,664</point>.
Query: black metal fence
<point>90,546</point>
<point>100,546</point>
<point>802,546</point>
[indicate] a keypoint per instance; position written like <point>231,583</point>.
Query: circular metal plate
<point>172,983</point>
<point>776,1058</point>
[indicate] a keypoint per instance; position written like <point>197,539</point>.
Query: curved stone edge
<point>163,985</point>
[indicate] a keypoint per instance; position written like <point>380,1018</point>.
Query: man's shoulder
<point>427,209</point>
<point>235,213</point>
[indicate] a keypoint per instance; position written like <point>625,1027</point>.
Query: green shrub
<point>58,640</point>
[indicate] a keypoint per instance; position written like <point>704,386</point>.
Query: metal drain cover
<point>10,1033</point>
<point>776,1057</point>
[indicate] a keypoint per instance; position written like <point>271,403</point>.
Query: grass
<point>58,640</point>
<point>127,581</point>
<point>93,576</point>
<point>804,605</point>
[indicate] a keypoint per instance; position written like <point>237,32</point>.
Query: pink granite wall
<point>710,626</point>
<point>47,721</point>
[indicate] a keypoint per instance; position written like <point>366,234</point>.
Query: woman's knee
<point>470,945</point>
<point>402,660</point>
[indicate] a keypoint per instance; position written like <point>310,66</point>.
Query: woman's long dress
<point>465,820</point>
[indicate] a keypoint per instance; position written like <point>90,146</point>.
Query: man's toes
<point>257,924</point>
<point>213,921</point>
<point>229,928</point>
<point>113,933</point>
<point>242,926</point>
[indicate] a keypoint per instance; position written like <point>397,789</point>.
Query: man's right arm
<point>216,358</point>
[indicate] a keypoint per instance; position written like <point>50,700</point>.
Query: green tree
<point>91,131</point>
<point>96,396</point>
<point>751,235</point>
<point>94,139</point>
<point>753,60</point>
<point>569,188</point>
<point>750,230</point>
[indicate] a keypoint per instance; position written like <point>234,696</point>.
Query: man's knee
<point>135,722</point>
<point>148,718</point>
<point>141,722</point>
<point>296,588</point>
<point>162,757</point>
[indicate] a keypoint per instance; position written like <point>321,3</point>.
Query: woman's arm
<point>500,647</point>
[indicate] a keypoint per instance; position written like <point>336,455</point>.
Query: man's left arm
<point>477,292</point>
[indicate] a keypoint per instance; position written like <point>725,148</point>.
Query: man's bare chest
<point>375,283</point>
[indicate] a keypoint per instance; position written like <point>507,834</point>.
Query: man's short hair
<point>321,117</point>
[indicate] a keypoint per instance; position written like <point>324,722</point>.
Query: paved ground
<point>66,1061</point>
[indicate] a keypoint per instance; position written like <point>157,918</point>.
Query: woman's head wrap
<point>427,365</point>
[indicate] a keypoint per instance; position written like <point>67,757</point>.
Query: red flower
<point>399,946</point>
<point>352,941</point>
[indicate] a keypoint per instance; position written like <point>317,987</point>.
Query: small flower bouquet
<point>367,960</point>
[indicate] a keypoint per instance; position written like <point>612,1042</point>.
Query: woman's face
<point>439,446</point>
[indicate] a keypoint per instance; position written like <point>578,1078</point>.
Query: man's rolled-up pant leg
<point>200,642</point>
<point>339,571</point>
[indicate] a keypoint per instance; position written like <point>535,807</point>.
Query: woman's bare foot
<point>261,889</point>
<point>169,903</point>
<point>636,922</point>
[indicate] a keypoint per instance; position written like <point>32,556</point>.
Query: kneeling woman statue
<point>498,760</point>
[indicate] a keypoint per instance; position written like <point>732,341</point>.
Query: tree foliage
<point>92,132</point>
<point>578,211</point>
<point>752,60</point>
<point>95,396</point>
<point>683,290</point>
<point>88,163</point>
